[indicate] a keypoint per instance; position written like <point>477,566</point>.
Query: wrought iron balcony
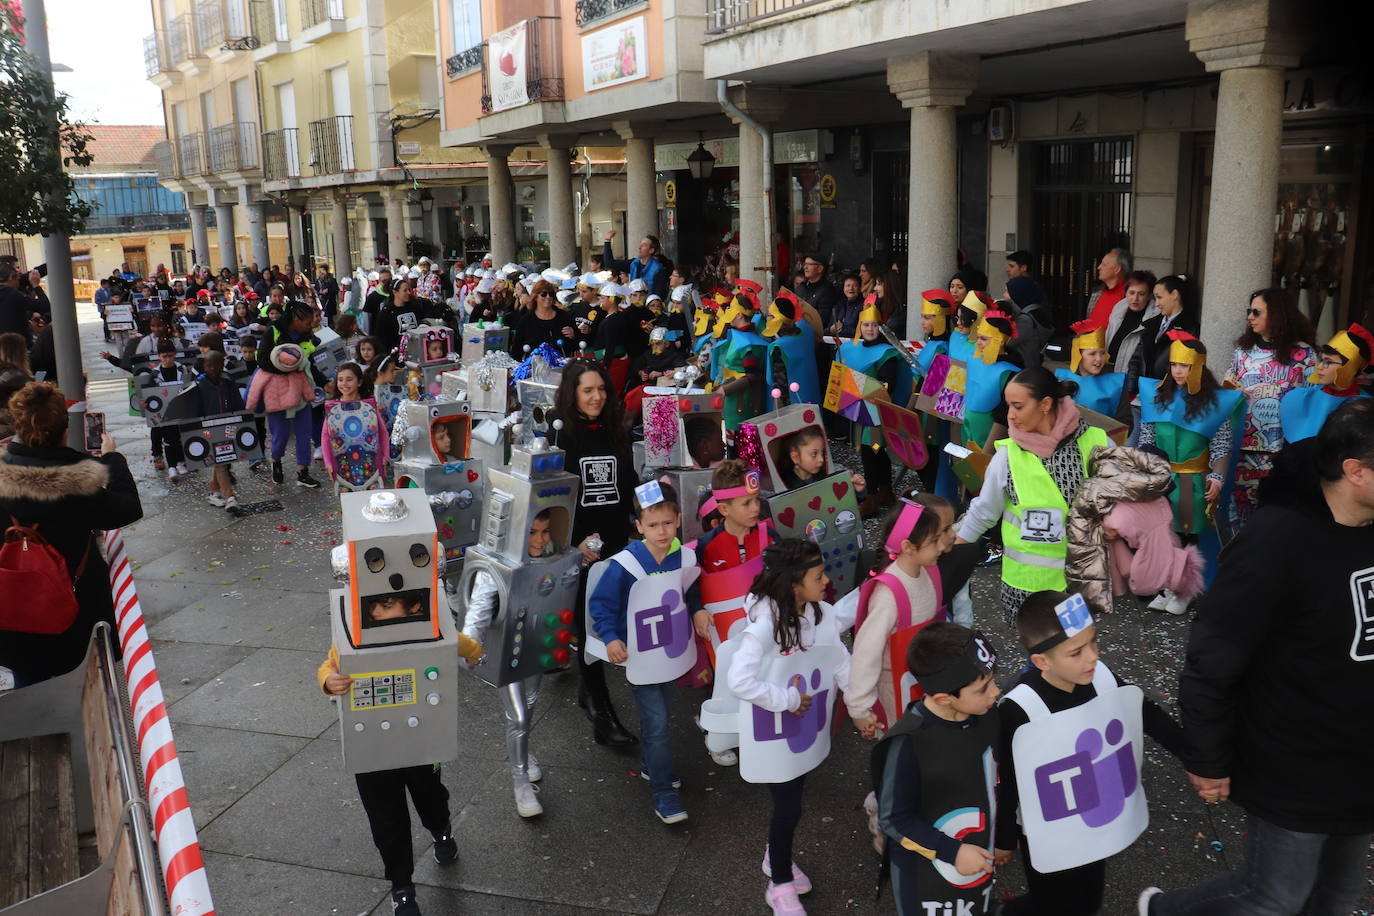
<point>464,61</point>
<point>263,22</point>
<point>190,155</point>
<point>155,57</point>
<point>726,14</point>
<point>543,64</point>
<point>181,39</point>
<point>590,11</point>
<point>331,145</point>
<point>100,224</point>
<point>164,153</point>
<point>314,12</point>
<point>210,23</point>
<point>234,147</point>
<point>281,156</point>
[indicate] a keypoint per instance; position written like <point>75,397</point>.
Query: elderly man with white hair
<point>1111,273</point>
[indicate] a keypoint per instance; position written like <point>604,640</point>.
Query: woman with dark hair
<point>66,496</point>
<point>596,446</point>
<point>1271,358</point>
<point>544,323</point>
<point>1031,482</point>
<point>870,270</point>
<point>1176,300</point>
<point>891,291</point>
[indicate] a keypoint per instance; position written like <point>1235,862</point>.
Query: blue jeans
<point>654,702</point>
<point>283,427</point>
<point>1285,873</point>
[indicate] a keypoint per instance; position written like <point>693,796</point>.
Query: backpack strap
<point>31,532</point>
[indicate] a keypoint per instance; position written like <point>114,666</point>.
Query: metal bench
<point>67,769</point>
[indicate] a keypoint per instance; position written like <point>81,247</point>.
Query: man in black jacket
<point>1278,681</point>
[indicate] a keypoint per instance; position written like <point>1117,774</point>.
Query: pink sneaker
<point>802,882</point>
<point>782,898</point>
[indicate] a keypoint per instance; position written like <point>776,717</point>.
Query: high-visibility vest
<point>1034,541</point>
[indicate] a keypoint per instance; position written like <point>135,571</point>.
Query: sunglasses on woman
<point>1252,313</point>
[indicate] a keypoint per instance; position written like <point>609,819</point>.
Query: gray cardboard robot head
<point>483,337</point>
<point>434,431</point>
<point>430,344</point>
<point>535,482</point>
<point>393,569</point>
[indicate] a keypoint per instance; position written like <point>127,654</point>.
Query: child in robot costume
<point>383,792</point>
<point>805,449</point>
<point>517,697</point>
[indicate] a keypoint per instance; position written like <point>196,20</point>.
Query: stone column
<point>932,84</point>
<point>224,223</point>
<point>200,236</point>
<point>755,249</point>
<point>500,196</point>
<point>367,243</point>
<point>256,210</point>
<point>562,232</point>
<point>641,195</point>
<point>1250,43</point>
<point>343,257</point>
<point>394,198</point>
<point>300,250</point>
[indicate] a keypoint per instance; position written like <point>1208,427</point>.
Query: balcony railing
<point>464,61</point>
<point>210,23</point>
<point>281,155</point>
<point>190,155</point>
<point>155,57</point>
<point>98,224</point>
<point>237,25</point>
<point>313,12</point>
<point>164,153</point>
<point>234,147</point>
<point>181,39</point>
<point>590,11</point>
<point>331,145</point>
<point>543,64</point>
<point>263,21</point>
<point>726,14</point>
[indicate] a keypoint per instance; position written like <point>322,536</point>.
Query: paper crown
<point>1194,359</point>
<point>1087,335</point>
<point>1345,343</point>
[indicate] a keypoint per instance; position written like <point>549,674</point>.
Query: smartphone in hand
<point>95,429</point>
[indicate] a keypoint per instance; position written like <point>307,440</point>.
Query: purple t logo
<point>1086,783</point>
<point>665,626</point>
<point>800,731</point>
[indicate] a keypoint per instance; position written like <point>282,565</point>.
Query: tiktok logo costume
<point>1078,774</point>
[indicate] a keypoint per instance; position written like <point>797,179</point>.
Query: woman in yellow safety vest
<point>1031,484</point>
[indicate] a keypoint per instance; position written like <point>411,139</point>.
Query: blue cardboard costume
<point>987,375</point>
<point>1303,410</point>
<point>791,353</point>
<point>1100,392</point>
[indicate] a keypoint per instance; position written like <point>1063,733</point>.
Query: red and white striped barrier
<point>183,870</point>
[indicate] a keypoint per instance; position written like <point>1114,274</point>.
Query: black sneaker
<point>403,901</point>
<point>445,849</point>
<point>303,479</point>
<point>277,475</point>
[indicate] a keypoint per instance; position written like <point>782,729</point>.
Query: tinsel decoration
<point>546,354</point>
<point>749,447</point>
<point>660,425</point>
<point>483,372</point>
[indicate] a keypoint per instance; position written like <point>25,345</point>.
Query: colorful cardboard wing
<point>903,435</point>
<point>943,389</point>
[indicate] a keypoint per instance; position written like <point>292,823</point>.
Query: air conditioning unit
<point>999,124</point>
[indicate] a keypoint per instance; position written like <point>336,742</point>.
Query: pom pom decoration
<point>660,425</point>
<point>748,446</point>
<point>537,363</point>
<point>794,387</point>
<point>777,392</point>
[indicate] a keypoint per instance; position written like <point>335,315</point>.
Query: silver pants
<point>517,699</point>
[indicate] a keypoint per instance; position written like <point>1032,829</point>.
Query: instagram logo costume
<point>1087,804</point>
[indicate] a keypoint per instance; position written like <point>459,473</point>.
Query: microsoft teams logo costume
<point>1088,804</point>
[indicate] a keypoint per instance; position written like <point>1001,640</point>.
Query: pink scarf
<point>1044,444</point>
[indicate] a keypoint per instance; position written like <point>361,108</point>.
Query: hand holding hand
<point>867,725</point>
<point>971,860</point>
<point>1211,790</point>
<point>1001,857</point>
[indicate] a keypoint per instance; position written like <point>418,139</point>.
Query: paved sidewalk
<point>236,608</point>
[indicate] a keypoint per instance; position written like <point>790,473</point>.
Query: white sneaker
<point>182,469</point>
<point>216,500</point>
<point>317,455</point>
<point>231,503</point>
<point>1143,902</point>
<point>532,769</point>
<point>527,800</point>
<point>172,472</point>
<point>725,758</point>
<point>1176,605</point>
<point>1161,601</point>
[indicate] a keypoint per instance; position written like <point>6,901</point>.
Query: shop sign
<point>790,147</point>
<point>506,68</point>
<point>670,193</point>
<point>614,55</point>
<point>1325,91</point>
<point>828,191</point>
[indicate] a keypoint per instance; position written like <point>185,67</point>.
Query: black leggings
<point>787,811</point>
<point>877,469</point>
<point>1071,892</point>
<point>383,794</point>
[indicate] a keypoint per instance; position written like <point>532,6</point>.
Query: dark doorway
<point>1081,209</point>
<point>891,183</point>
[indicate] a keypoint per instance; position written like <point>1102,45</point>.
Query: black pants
<point>383,794</point>
<point>1072,892</point>
<point>167,443</point>
<point>592,670</point>
<point>877,468</point>
<point>787,811</point>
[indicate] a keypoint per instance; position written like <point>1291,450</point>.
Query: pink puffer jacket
<point>273,392</point>
<point>1146,554</point>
